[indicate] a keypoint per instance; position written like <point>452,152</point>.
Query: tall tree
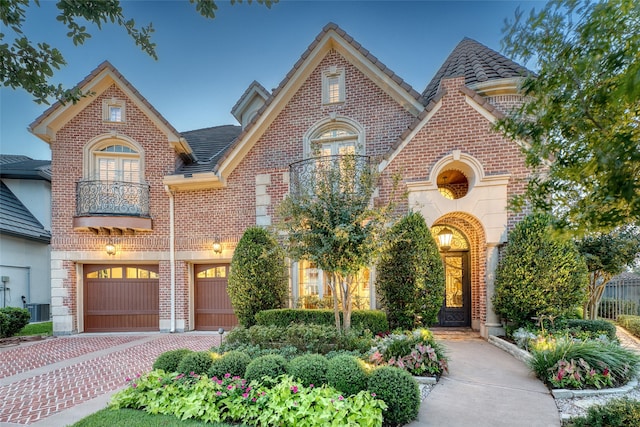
<point>30,65</point>
<point>606,255</point>
<point>581,120</point>
<point>328,219</point>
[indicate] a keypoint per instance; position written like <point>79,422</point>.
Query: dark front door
<point>456,308</point>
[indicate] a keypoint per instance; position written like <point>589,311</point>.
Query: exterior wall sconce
<point>217,246</point>
<point>110,248</point>
<point>444,239</point>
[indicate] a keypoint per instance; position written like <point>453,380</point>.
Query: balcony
<point>348,175</point>
<point>112,206</point>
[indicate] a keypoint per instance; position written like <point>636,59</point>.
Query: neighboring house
<point>25,234</point>
<point>146,219</point>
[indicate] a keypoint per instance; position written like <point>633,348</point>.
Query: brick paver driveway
<point>43,378</point>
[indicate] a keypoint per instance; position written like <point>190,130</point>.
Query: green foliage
<point>258,279</point>
<point>410,275</point>
<point>581,110</point>
<point>595,327</point>
<point>197,362</point>
<point>41,328</point>
<point>328,220</point>
<point>347,374</point>
<point>265,369</point>
<point>607,255</point>
<point>399,391</point>
<point>372,320</point>
<point>253,351</point>
<point>305,338</point>
<point>630,323</point>
<point>12,320</point>
<point>309,369</point>
<point>539,274</point>
<point>606,358</point>
<point>131,417</point>
<point>416,352</point>
<point>285,403</point>
<point>623,412</point>
<point>169,360</point>
<point>233,362</point>
<point>30,66</point>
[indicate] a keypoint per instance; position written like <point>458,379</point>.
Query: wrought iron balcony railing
<point>112,198</point>
<point>347,174</point>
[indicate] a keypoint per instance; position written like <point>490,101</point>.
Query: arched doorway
<point>456,307</point>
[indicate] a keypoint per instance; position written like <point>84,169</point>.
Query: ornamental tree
<point>606,255</point>
<point>258,279</point>
<point>410,275</point>
<point>539,274</point>
<point>581,120</point>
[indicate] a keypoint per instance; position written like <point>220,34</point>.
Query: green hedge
<point>617,412</point>
<point>630,323</point>
<point>594,326</point>
<point>373,320</point>
<point>12,320</point>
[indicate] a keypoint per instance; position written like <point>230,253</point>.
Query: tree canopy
<point>581,120</point>
<point>30,65</point>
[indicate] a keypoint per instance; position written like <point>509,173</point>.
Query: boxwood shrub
<point>372,320</point>
<point>630,323</point>
<point>399,391</point>
<point>309,369</point>
<point>232,362</point>
<point>12,320</point>
<point>594,327</point>
<point>198,362</point>
<point>271,365</point>
<point>169,360</point>
<point>347,374</point>
<point>617,412</point>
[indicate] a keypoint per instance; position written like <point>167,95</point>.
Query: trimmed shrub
<point>399,391</point>
<point>410,275</point>
<point>169,360</point>
<point>254,351</point>
<point>271,365</point>
<point>12,320</point>
<point>232,362</point>
<point>198,362</point>
<point>309,369</point>
<point>594,327</point>
<point>372,320</point>
<point>616,413</point>
<point>538,275</point>
<point>347,374</point>
<point>258,279</point>
<point>630,323</point>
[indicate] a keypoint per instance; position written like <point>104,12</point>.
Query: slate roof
<point>208,145</point>
<point>12,158</point>
<point>16,220</point>
<point>477,63</point>
<point>23,167</point>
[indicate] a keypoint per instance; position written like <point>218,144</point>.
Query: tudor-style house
<point>146,218</point>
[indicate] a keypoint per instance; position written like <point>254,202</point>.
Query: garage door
<point>120,298</point>
<point>213,308</point>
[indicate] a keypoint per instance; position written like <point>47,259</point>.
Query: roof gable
<point>331,37</point>
<point>99,80</point>
<point>17,220</point>
<point>254,90</point>
<point>477,63</point>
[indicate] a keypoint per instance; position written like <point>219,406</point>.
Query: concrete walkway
<point>486,387</point>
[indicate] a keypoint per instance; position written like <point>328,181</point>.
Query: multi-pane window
<point>333,90</point>
<point>314,291</point>
<point>117,163</point>
<point>113,110</point>
<point>123,273</point>
<point>214,272</point>
<point>115,113</point>
<point>333,142</point>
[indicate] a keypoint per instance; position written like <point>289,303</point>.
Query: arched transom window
<point>333,138</point>
<point>115,161</point>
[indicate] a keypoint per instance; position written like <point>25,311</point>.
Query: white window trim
<point>326,76</point>
<point>334,122</point>
<point>106,110</point>
<point>96,144</point>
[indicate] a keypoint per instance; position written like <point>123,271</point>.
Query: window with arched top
<point>333,137</point>
<point>114,160</point>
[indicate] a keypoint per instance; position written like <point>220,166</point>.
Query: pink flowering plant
<point>574,374</point>
<point>231,399</point>
<point>416,352</point>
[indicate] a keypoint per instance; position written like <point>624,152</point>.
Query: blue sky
<point>204,65</point>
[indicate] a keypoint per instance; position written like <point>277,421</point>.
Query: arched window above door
<point>333,137</point>
<point>114,160</point>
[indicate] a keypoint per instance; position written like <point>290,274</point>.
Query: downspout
<point>172,258</point>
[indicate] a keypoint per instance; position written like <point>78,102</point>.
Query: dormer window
<point>333,86</point>
<point>113,110</point>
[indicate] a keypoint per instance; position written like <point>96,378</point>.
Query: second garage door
<point>212,304</point>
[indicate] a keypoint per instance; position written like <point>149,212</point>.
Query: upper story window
<point>114,160</point>
<point>336,141</point>
<point>333,90</point>
<point>113,110</point>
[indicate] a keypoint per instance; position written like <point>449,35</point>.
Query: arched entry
<point>456,307</point>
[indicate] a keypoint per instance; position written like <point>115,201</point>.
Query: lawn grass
<point>43,328</point>
<point>135,418</point>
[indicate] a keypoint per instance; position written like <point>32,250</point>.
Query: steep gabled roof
<point>98,81</point>
<point>477,63</point>
<point>208,145</point>
<point>254,89</point>
<point>25,169</point>
<point>16,220</point>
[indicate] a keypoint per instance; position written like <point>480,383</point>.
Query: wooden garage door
<point>119,298</point>
<point>213,308</point>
